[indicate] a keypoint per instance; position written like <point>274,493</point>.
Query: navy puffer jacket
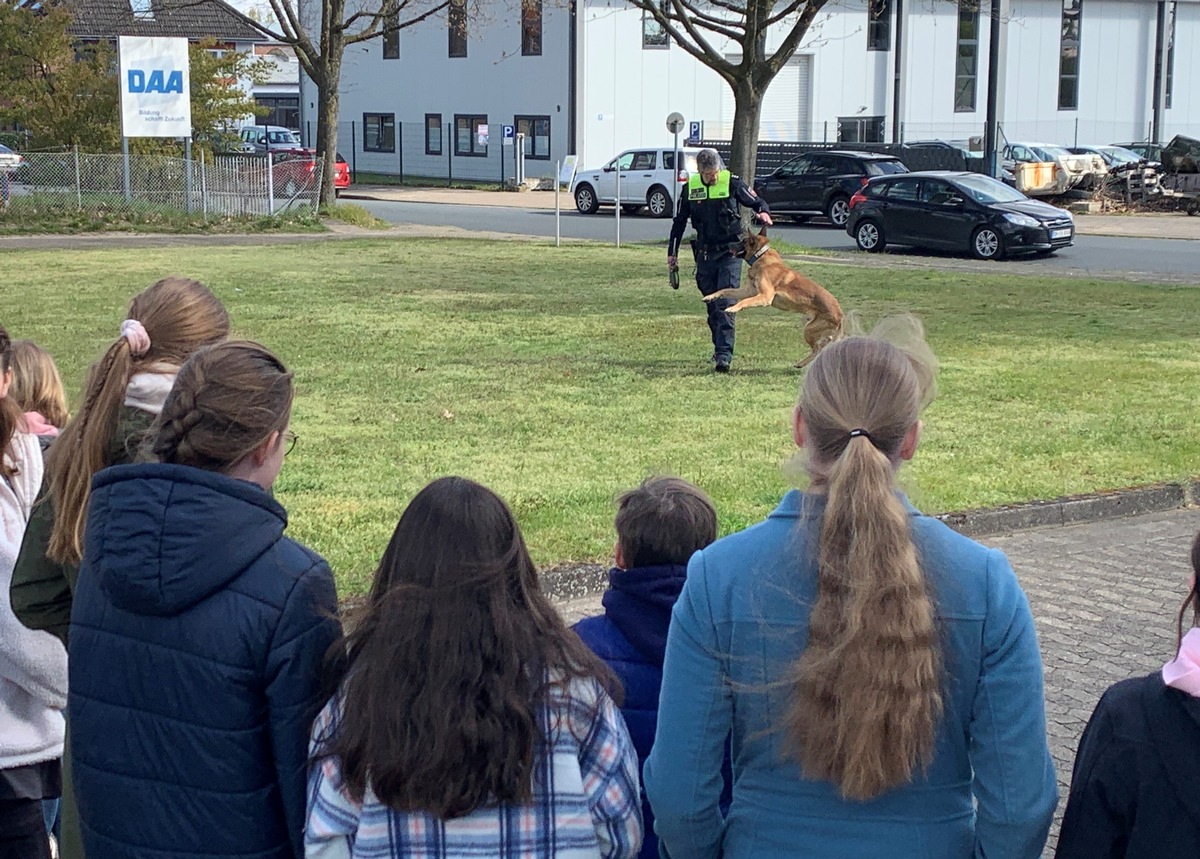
<point>197,637</point>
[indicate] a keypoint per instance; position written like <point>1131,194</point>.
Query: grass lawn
<point>561,377</point>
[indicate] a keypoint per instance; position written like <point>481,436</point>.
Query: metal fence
<point>237,185</point>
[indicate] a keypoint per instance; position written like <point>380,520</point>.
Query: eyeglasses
<point>290,439</point>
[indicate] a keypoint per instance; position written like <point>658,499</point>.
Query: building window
<point>285,111</point>
<point>537,136</point>
<point>531,28</point>
<point>433,134</point>
<point>1068,59</point>
<point>966,68</point>
<point>1170,51</point>
<point>879,25</point>
<point>391,37</point>
<point>860,129</point>
<point>468,132</point>
<point>143,10</point>
<point>379,132</point>
<point>457,27</point>
<point>654,34</point>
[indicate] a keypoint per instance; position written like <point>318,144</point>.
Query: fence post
<point>125,158</point>
<point>270,184</point>
<point>78,181</point>
<point>353,153</point>
<point>187,176</point>
<point>825,133</point>
<point>557,209</point>
<point>1076,143</point>
<point>400,147</point>
<point>203,189</point>
<point>449,167</point>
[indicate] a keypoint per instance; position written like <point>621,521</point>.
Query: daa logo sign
<point>155,87</point>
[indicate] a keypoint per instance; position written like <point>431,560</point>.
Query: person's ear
<point>912,440</point>
<point>618,556</point>
<point>5,382</point>
<point>798,426</point>
<point>263,452</point>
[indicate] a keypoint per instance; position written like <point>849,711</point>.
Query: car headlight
<point>1021,220</point>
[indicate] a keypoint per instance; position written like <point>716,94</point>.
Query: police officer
<point>711,201</point>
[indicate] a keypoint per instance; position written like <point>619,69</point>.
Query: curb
<point>577,581</point>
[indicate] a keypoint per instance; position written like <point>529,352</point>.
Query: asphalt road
<point>1144,260</point>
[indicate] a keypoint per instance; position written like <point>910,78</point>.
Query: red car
<point>295,170</point>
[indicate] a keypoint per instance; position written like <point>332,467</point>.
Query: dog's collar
<point>758,254</point>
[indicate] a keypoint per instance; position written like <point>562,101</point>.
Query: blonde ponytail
<point>867,693</point>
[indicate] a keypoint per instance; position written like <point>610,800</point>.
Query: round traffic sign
<point>675,122</point>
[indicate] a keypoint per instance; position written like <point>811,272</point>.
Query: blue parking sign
<point>510,133</point>
<point>694,131</point>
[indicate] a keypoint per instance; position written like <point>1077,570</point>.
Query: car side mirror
<point>608,168</point>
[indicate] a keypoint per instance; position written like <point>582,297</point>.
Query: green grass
<point>562,376</point>
<point>107,213</point>
<point>351,213</point>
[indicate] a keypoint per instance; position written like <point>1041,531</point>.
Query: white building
<point>599,78</point>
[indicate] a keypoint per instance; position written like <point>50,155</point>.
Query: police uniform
<point>713,210</point>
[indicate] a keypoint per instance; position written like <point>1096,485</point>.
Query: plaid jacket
<point>585,797</point>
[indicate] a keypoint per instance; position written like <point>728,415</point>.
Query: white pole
<point>270,185</point>
<point>203,188</point>
<point>617,208</point>
<point>557,209</point>
<point>78,183</point>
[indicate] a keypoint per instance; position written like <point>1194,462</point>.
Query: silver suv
<point>261,139</point>
<point>648,178</point>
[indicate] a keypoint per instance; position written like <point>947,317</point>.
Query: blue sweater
<point>197,636</point>
<point>631,636</point>
<point>738,627</point>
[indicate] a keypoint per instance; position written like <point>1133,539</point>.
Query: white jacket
<point>33,665</point>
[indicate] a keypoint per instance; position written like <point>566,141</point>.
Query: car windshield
<point>1118,155</point>
<point>283,137</point>
<point>984,189</point>
<point>1050,153</point>
<point>885,168</point>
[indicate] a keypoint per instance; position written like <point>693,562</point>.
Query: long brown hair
<point>1193,597</point>
<point>867,694</point>
<point>449,663</point>
<point>227,400</point>
<point>37,386</point>
<point>10,412</point>
<point>180,316</point>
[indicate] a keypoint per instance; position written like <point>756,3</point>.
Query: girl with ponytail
<point>123,394</point>
<point>877,672</point>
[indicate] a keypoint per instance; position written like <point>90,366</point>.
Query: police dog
<point>774,283</point>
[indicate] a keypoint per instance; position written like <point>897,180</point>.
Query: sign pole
<point>187,176</point>
<point>617,207</point>
<point>125,161</point>
<point>557,209</point>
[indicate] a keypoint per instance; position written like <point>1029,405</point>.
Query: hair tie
<point>855,433</point>
<point>135,333</point>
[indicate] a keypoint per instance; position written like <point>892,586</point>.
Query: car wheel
<point>658,201</point>
<point>585,200</point>
<point>869,236</point>
<point>1194,208</point>
<point>337,192</point>
<point>986,243</point>
<point>838,211</point>
<point>629,209</point>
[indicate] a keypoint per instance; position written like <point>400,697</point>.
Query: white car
<point>9,160</point>
<point>1071,170</point>
<point>649,178</point>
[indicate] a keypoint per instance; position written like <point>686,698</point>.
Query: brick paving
<point>1104,595</point>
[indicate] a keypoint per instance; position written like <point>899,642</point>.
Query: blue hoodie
<point>631,636</point>
<point>197,637</point>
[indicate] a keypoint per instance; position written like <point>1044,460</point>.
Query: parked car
<point>1144,149</point>
<point>10,159</point>
<point>295,170</point>
<point>260,139</point>
<point>1115,157</point>
<point>822,182</point>
<point>648,178</point>
<point>1072,169</point>
<point>956,211</point>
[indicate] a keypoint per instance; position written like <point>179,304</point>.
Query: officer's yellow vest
<point>718,190</point>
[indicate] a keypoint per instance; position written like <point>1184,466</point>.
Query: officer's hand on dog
<point>764,218</point>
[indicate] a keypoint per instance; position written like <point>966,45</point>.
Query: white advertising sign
<point>155,87</point>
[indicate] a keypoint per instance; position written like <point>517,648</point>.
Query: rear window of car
<point>668,160</point>
<point>885,168</point>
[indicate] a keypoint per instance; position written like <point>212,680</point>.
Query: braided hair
<point>226,401</point>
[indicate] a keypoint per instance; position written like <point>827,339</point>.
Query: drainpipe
<point>1161,42</point>
<point>898,75</point>
<point>997,69</point>
<point>572,75</point>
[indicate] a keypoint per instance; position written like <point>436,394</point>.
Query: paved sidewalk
<point>1154,225</point>
<point>1104,595</point>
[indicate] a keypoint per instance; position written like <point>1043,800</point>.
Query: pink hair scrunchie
<point>135,333</point>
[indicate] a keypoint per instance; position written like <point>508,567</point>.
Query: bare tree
<point>695,25</point>
<point>320,32</point>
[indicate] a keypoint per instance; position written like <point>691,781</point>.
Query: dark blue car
<point>958,212</point>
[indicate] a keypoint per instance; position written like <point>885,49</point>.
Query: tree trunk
<point>328,106</point>
<point>747,107</point>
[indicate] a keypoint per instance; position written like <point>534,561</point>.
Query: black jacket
<point>716,221</point>
<point>1135,792</point>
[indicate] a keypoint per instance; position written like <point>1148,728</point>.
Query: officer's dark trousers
<point>719,271</point>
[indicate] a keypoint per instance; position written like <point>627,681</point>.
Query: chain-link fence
<point>237,185</point>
